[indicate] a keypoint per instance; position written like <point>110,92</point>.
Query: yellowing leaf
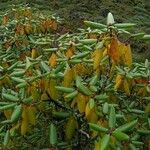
<point>54,94</point>
<point>8,113</point>
<point>44,97</point>
<point>24,122</point>
<point>80,69</point>
<point>81,102</point>
<point>97,57</point>
<point>5,20</point>
<point>126,87</point>
<point>97,146</point>
<point>125,54</point>
<point>34,53</point>
<point>69,52</point>
<point>147,109</point>
<point>90,114</point>
<point>52,60</point>
<point>128,56</point>
<point>118,81</point>
<point>93,117</point>
<point>102,122</point>
<point>31,115</point>
<point>113,51</point>
<point>88,110</point>
<point>69,76</point>
<point>70,128</point>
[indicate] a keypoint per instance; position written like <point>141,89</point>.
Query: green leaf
<point>101,97</point>
<point>95,25</point>
<point>143,132</point>
<point>146,37</point>
<point>91,103</point>
<point>64,89</point>
<point>16,79</point>
<point>45,67</point>
<point>53,135</point>
<point>112,117</point>
<point>80,55</point>
<point>97,128</point>
<point>61,115</point>
<point>10,97</point>
<point>71,95</point>
<point>105,108</point>
<point>120,135</point>
<point>125,25</point>
<point>88,41</point>
<point>138,35</point>
<point>81,87</point>
<point>104,141</point>
<point>6,138</point>
<point>16,113</point>
<point>132,147</point>
<point>94,80</point>
<point>7,106</point>
<point>127,126</point>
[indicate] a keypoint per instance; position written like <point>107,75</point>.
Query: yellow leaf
<point>70,52</point>
<point>34,92</point>
<point>24,122</point>
<point>34,53</point>
<point>8,113</point>
<point>118,81</point>
<point>93,117</point>
<point>54,94</point>
<point>44,97</point>
<point>52,60</point>
<point>97,57</point>
<point>126,87</point>
<point>70,128</point>
<point>31,115</point>
<point>128,56</point>
<point>81,102</point>
<point>102,122</point>
<point>113,51</point>
<point>69,76</point>
<point>147,109</point>
<point>5,20</point>
<point>90,114</point>
<point>125,54</point>
<point>88,110</point>
<point>80,69</point>
<point>97,145</point>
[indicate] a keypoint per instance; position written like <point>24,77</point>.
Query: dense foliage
<point>71,91</point>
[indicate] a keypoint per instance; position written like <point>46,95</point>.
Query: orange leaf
<point>52,60</point>
<point>69,52</point>
<point>113,51</point>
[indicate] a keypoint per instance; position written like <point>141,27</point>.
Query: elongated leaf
<point>53,134</point>
<point>104,142</point>
<point>6,138</point>
<point>9,106</point>
<point>127,126</point>
<point>112,117</point>
<point>64,89</point>
<point>10,97</point>
<point>120,135</point>
<point>98,128</point>
<point>95,25</point>
<point>16,113</point>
